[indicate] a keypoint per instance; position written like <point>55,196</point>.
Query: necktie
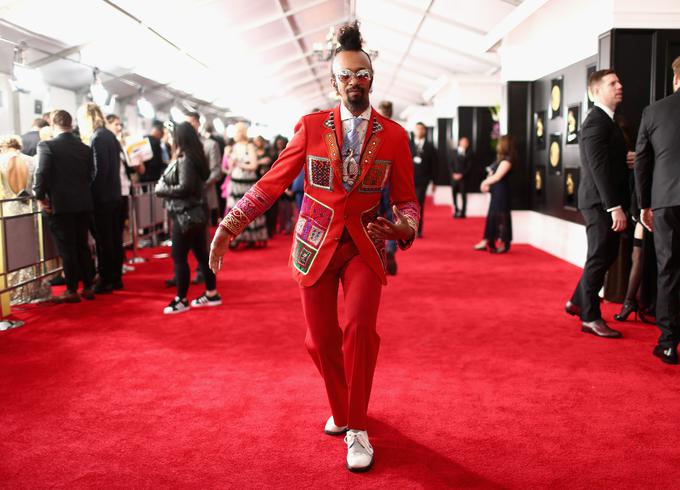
<point>351,150</point>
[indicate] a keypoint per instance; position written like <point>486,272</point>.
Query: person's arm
<point>213,154</point>
<point>644,170</point>
<point>502,170</point>
<point>404,202</point>
<point>187,182</point>
<point>262,195</point>
<point>595,141</point>
<point>41,185</point>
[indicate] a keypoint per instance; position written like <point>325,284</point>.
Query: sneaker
<point>176,306</point>
<point>359,451</point>
<point>205,300</point>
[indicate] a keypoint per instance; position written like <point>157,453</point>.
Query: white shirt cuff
<point>613,209</point>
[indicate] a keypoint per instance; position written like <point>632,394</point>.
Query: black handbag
<point>190,218</point>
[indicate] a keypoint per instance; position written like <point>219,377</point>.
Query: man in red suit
<point>349,154</point>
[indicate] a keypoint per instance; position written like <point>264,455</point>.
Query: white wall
<point>647,14</point>
<point>560,33</point>
<point>6,106</point>
<point>475,91</point>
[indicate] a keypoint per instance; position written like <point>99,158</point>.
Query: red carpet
<point>482,382</point>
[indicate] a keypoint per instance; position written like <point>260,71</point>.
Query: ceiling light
<point>144,107</point>
<point>23,78</point>
<point>98,93</point>
<point>218,125</point>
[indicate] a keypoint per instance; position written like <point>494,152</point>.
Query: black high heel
<point>625,312</point>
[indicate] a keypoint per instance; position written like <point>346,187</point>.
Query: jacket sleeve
<point>267,190</point>
<point>644,164</point>
<point>212,152</point>
<point>402,191</point>
<point>595,138</point>
<point>41,186</point>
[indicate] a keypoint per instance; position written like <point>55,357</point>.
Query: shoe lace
<point>361,437</point>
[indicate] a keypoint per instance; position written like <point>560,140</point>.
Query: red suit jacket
<point>327,208</point>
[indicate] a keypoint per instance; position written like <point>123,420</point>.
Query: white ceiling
<point>254,57</point>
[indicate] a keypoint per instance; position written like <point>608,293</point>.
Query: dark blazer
<point>604,173</point>
<point>461,164</point>
<point>65,172</point>
<point>29,143</point>
<point>106,153</point>
<point>423,172</point>
<point>657,154</point>
<point>153,169</point>
<point>182,184</point>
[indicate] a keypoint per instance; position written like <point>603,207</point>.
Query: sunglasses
<point>362,76</point>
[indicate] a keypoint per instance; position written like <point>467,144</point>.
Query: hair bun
<point>349,37</point>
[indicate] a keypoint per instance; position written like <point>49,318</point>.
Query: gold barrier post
<point>5,307</point>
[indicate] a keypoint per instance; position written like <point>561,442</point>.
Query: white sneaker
<point>359,451</point>
<point>333,430</point>
<point>176,306</point>
<point>205,300</point>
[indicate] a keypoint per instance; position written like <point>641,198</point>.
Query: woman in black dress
<point>498,220</point>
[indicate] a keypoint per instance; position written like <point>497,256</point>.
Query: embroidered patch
<point>320,172</point>
<point>310,232</point>
<point>376,126</point>
<point>369,217</point>
<point>250,206</point>
<point>376,177</point>
<point>303,256</point>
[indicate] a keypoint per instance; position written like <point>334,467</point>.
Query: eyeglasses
<point>362,76</point>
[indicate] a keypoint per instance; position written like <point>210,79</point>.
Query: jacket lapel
<point>332,137</point>
<point>372,143</point>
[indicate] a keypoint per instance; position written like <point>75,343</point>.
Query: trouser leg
<point>667,244</point>
<point>602,251</point>
<point>463,196</point>
<point>83,221</point>
<point>199,246</point>
<point>421,192</point>
<point>63,229</point>
<point>361,287</point>
<point>454,195</point>
<point>104,224</point>
<point>180,250</point>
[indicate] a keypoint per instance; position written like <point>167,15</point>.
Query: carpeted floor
<point>482,382</point>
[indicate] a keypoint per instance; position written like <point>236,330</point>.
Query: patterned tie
<point>351,150</point>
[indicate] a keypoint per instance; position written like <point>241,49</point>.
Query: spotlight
<point>145,107</point>
<point>176,114</point>
<point>218,125</point>
<point>99,94</point>
<point>25,79</point>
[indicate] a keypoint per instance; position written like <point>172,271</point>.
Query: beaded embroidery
<point>310,232</point>
<point>411,211</point>
<point>250,206</point>
<point>320,172</point>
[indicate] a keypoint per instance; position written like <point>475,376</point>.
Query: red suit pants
<point>345,357</point>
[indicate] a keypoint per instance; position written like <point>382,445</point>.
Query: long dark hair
<point>190,147</point>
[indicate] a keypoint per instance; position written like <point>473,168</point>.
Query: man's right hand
<point>646,218</point>
<point>45,206</point>
<point>218,247</point>
<point>619,220</point>
<point>457,176</point>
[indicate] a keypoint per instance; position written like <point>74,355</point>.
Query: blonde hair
<point>90,118</point>
<point>241,127</point>
<point>10,142</point>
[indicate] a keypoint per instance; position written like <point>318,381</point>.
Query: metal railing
<point>26,243</point>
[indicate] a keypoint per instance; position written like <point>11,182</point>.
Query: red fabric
<point>386,159</point>
<point>482,382</point>
<point>345,355</point>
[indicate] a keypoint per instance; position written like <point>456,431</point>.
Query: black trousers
<point>667,245</point>
<point>421,192</point>
<point>109,238</point>
<point>603,247</point>
<point>70,234</point>
<point>459,187</point>
<point>196,240</point>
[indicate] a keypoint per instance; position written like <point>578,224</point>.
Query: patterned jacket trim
<point>250,206</point>
<point>367,217</point>
<point>411,211</point>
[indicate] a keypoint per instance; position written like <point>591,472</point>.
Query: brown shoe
<point>572,309</point>
<point>67,297</point>
<point>601,329</point>
<point>87,294</point>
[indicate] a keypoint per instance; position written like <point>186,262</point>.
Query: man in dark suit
<point>424,163</point>
<point>602,197</point>
<point>62,186</point>
<point>460,166</point>
<point>30,140</point>
<point>657,179</point>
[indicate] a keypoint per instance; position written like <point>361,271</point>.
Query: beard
<point>356,99</point>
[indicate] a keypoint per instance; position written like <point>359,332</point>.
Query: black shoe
<point>626,310</point>
<point>67,297</point>
<point>171,283</point>
<point>102,288</point>
<point>58,280</point>
<point>391,265</point>
<point>118,285</point>
<point>572,309</point>
<point>87,293</point>
<point>669,354</point>
<point>600,329</point>
<point>456,214</point>
<point>199,279</point>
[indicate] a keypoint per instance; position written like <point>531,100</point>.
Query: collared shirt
<point>610,113</point>
<point>419,143</point>
<point>606,110</point>
<point>347,117</point>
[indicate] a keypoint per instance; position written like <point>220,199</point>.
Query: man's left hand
<point>384,229</point>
